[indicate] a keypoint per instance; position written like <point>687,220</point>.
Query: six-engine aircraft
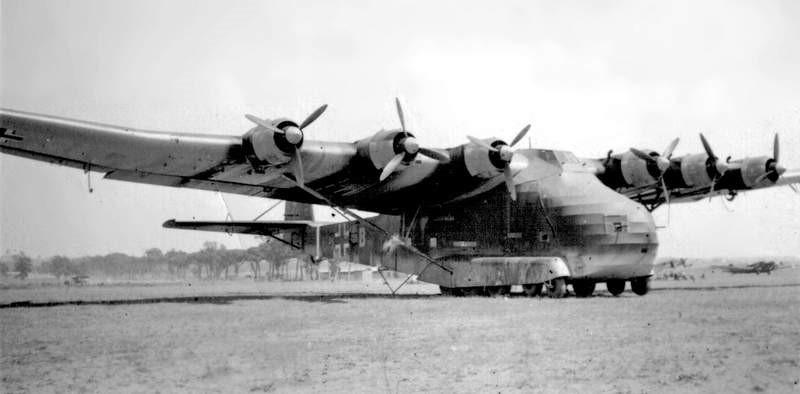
<point>477,218</point>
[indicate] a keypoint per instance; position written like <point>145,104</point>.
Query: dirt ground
<point>723,333</point>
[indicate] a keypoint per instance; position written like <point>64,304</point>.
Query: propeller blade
<point>313,116</point>
<point>391,166</point>
<point>263,123</point>
<point>298,168</point>
<point>776,148</point>
<point>400,115</point>
<point>520,135</point>
<point>481,143</point>
<point>670,148</point>
<point>643,155</point>
<point>512,190</point>
<point>666,191</point>
<point>435,154</point>
<point>711,191</point>
<point>707,146</point>
<point>608,158</point>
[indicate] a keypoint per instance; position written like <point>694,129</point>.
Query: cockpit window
<point>565,157</point>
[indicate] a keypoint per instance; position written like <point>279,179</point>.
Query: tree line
<point>213,261</point>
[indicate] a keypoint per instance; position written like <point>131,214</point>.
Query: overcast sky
<point>590,76</point>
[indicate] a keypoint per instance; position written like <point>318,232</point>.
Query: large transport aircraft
<point>475,219</point>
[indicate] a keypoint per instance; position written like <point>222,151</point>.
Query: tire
<point>615,286</point>
<point>477,291</point>
<point>583,288</point>
<point>557,288</point>
<point>640,286</point>
<point>498,291</point>
<point>532,290</point>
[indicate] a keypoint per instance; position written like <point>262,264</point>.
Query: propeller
<point>662,160</point>
<point>774,170</point>
<point>719,167</point>
<point>408,147</point>
<point>293,135</point>
<point>505,153</point>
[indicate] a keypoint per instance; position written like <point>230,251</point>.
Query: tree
<point>23,265</point>
<point>3,270</point>
<point>59,266</point>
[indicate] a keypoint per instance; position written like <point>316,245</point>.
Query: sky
<point>590,76</point>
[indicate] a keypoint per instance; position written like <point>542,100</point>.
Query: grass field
<point>722,333</point>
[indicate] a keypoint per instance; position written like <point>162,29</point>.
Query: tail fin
<point>298,211</point>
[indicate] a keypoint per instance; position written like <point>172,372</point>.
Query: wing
<point>209,162</point>
<point>241,227</point>
<point>291,233</point>
<point>271,160</point>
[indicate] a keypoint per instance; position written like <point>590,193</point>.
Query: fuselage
<point>562,210</point>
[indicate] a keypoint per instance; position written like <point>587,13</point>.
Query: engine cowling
<point>263,147</point>
<point>637,172</point>
<point>754,168</point>
<point>694,170</point>
<point>481,162</point>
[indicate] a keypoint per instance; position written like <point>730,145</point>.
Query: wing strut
<point>393,241</point>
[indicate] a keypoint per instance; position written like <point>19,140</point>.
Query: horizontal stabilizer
<point>241,227</point>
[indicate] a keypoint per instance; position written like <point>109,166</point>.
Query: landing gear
<point>615,286</point>
<point>640,286</point>
<point>583,288</point>
<point>498,291</point>
<point>532,290</point>
<point>477,291</point>
<point>557,288</point>
<point>451,291</point>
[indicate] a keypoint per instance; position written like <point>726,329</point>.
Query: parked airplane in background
<point>760,267</point>
<point>476,218</point>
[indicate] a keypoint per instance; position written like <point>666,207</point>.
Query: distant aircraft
<point>475,219</point>
<point>760,267</point>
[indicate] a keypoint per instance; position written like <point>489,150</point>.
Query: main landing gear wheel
<point>477,291</point>
<point>533,290</point>
<point>615,286</point>
<point>640,286</point>
<point>498,291</point>
<point>583,288</point>
<point>450,291</point>
<point>557,288</point>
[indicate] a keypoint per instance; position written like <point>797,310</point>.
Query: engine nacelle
<point>637,172</point>
<point>753,168</point>
<point>695,170</point>
<point>263,147</point>
<point>482,163</point>
<point>380,148</point>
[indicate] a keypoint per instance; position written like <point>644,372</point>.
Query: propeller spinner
<point>407,148</point>
<point>293,135</point>
<point>505,154</point>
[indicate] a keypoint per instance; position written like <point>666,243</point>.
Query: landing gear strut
<point>640,286</point>
<point>533,290</point>
<point>557,288</point>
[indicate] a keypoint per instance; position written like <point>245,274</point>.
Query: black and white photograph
<point>361,196</point>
